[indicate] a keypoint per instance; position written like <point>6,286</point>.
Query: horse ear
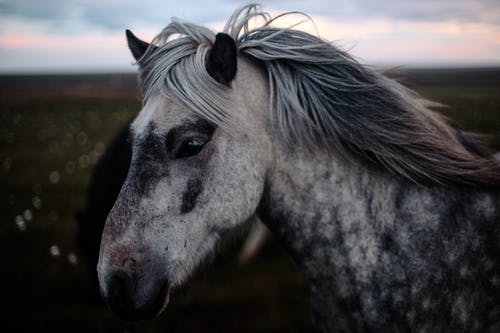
<point>221,64</point>
<point>136,46</point>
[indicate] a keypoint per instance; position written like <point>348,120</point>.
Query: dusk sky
<point>88,35</point>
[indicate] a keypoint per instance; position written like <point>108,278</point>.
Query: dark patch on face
<point>193,189</point>
<point>148,162</point>
<point>388,243</point>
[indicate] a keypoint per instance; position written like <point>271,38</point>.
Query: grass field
<point>52,131</point>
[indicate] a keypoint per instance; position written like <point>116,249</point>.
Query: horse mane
<point>321,98</point>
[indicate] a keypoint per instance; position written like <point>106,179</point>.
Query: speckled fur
<point>384,255</point>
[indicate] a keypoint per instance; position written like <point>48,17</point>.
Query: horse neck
<point>310,198</point>
<point>320,207</point>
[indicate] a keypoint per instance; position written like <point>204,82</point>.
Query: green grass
<point>65,136</point>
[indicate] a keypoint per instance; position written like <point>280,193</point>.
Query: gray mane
<point>322,98</point>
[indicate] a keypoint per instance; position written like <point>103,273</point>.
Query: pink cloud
<point>373,41</point>
<point>30,40</point>
<point>410,41</point>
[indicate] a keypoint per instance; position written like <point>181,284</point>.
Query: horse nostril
<point>119,296</point>
<point>119,284</point>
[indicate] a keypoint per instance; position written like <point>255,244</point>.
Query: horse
<point>391,214</point>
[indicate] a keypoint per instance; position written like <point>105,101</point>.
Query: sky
<point>89,35</point>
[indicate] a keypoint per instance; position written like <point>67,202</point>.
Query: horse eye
<point>190,147</point>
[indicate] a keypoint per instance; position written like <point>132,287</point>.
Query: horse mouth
<point>123,302</point>
<point>152,308</point>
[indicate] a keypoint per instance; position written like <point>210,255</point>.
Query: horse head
<point>190,182</point>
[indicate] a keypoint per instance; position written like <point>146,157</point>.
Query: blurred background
<point>67,86</point>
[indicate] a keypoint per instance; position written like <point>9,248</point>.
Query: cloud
<point>116,14</point>
<point>56,33</point>
<point>33,52</point>
<point>408,10</point>
<point>386,41</point>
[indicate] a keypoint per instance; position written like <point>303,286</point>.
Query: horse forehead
<point>160,112</point>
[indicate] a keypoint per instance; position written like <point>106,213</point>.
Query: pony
<point>391,214</point>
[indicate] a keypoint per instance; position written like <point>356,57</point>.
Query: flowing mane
<point>322,98</point>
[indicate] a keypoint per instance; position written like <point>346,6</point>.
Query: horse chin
<point>159,304</point>
<point>154,309</point>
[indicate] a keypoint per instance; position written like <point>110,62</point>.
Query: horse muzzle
<point>132,299</point>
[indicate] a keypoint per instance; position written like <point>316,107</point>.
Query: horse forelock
<point>322,98</point>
